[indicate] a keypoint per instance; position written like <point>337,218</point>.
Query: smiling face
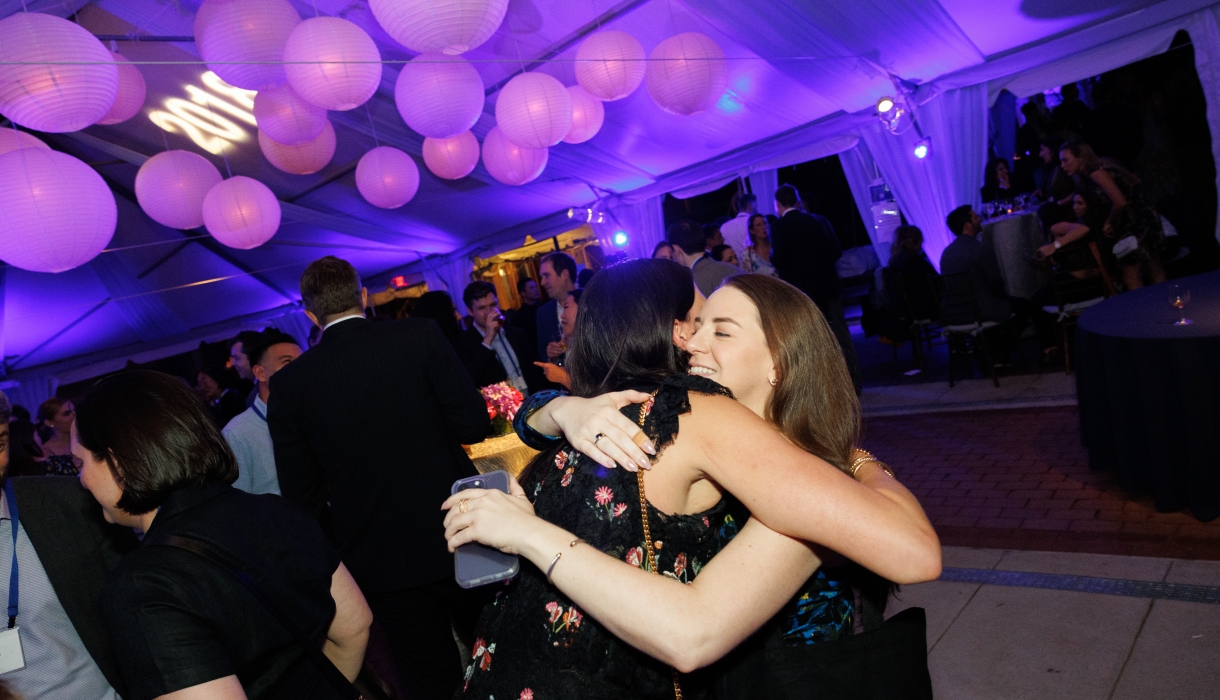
<point>730,348</point>
<point>96,477</point>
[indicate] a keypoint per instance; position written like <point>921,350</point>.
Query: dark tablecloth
<point>1149,394</point>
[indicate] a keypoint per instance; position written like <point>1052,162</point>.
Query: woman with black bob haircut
<point>183,626</point>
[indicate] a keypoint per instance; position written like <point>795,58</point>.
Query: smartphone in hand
<point>475,564</point>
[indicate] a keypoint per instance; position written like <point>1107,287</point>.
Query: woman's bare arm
<point>1107,184</point>
<point>348,634</point>
<point>227,688</point>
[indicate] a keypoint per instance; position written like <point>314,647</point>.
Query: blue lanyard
<point>258,412</point>
<point>11,497</point>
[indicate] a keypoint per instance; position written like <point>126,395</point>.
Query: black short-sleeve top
<point>178,620</point>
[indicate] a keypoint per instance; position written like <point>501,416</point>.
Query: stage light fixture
<point>923,148</point>
<point>620,239</point>
<point>884,105</point>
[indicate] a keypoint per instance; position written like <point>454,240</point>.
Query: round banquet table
<point>506,452</point>
<point>1014,238</point>
<point>1149,394</point>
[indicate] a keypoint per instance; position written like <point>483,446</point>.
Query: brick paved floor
<point>1019,479</point>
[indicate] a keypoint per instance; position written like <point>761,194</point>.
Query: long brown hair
<point>814,403</point>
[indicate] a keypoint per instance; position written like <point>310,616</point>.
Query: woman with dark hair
<point>663,251</point>
<point>55,417</point>
<point>183,627</point>
<point>757,255</point>
<point>725,254</point>
<point>919,277</point>
<point>1132,225</point>
<point>439,307</point>
<point>554,371</point>
<point>997,184</point>
<point>629,336</point>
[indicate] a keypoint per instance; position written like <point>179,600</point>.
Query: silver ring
<point>599,436</point>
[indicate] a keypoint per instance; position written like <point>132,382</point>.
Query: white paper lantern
<point>387,177</point>
<point>439,96</point>
<point>285,117</point>
<point>76,91</point>
<point>132,91</point>
<point>587,115</point>
<point>171,185</point>
<point>610,65</point>
<point>687,73</point>
<point>303,158</point>
<point>243,41</point>
<point>57,212</point>
<point>510,163</point>
<point>12,139</point>
<point>445,26</point>
<point>332,63</point>
<point>241,212</point>
<point>534,110</point>
<point>452,158</point>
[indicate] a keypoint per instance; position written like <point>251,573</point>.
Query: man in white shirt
<point>247,434</point>
<point>737,229</point>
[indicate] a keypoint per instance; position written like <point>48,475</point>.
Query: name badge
<point>11,656</point>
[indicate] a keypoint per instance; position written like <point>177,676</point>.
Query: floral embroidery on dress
<point>604,496</point>
<point>561,460</point>
<point>567,477</point>
<point>481,656</point>
<point>635,557</point>
<point>526,694</point>
<point>562,624</point>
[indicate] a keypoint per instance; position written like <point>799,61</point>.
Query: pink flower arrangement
<point>502,400</point>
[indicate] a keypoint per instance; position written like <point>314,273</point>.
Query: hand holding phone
<point>475,564</point>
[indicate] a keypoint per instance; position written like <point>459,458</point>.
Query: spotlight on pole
<point>620,239</point>
<point>884,105</point>
<point>923,148</point>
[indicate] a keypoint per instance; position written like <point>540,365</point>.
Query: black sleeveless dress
<point>532,642</point>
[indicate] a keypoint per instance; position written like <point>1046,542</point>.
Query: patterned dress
<point>1139,218</point>
<point>60,465</point>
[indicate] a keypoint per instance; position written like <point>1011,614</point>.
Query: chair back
<point>958,305</point>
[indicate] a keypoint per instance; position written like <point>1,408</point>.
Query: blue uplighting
<point>620,239</point>
<point>922,149</point>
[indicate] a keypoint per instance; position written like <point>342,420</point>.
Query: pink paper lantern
<point>285,117</point>
<point>171,185</point>
<point>332,63</point>
<point>452,158</point>
<point>444,26</point>
<point>241,212</point>
<point>534,110</point>
<point>131,92</point>
<point>687,73</point>
<point>243,41</point>
<point>387,177</point>
<point>587,115</point>
<point>73,93</point>
<point>510,163</point>
<point>57,212</point>
<point>12,139</point>
<point>439,96</point>
<point>610,65</point>
<point>303,158</point>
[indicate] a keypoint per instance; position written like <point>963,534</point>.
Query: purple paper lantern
<point>57,212</point>
<point>241,212</point>
<point>610,65</point>
<point>75,86</point>
<point>510,163</point>
<point>439,26</point>
<point>131,92</point>
<point>304,158</point>
<point>12,139</point>
<point>387,177</point>
<point>439,96</point>
<point>687,73</point>
<point>534,110</point>
<point>452,158</point>
<point>171,186</point>
<point>332,63</point>
<point>285,117</point>
<point>587,115</point>
<point>243,41</point>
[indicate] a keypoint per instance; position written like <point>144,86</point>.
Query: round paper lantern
<point>241,212</point>
<point>57,212</point>
<point>170,188</point>
<point>610,65</point>
<point>445,26</point>
<point>242,41</point>
<point>439,96</point>
<point>332,63</point>
<point>387,177</point>
<point>69,96</point>
<point>510,163</point>
<point>131,92</point>
<point>687,73</point>
<point>452,158</point>
<point>12,139</point>
<point>285,117</point>
<point>587,115</point>
<point>534,110</point>
<point>303,158</point>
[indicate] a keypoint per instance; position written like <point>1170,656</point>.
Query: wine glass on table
<point>1179,297</point>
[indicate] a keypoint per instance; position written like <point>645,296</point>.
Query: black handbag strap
<point>333,675</point>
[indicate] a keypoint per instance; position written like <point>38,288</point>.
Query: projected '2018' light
<point>202,117</point>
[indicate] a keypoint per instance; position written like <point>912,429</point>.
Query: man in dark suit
<point>368,428</point>
<point>525,317</point>
<point>64,548</point>
<point>968,254</point>
<point>557,272</point>
<point>804,250</point>
<point>688,244</point>
<point>491,351</point>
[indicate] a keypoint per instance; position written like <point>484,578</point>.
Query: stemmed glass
<point>1179,297</point>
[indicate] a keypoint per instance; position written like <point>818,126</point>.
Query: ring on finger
<point>597,437</point>
<point>462,506</point>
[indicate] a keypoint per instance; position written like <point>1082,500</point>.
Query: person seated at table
<point>997,182</point>
<point>919,278</point>
<point>1083,225</point>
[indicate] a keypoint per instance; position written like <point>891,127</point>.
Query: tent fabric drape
<point>928,189</point>
<point>643,222</point>
<point>1205,36</point>
<point>30,392</point>
<point>860,171</point>
<point>1002,127</point>
<point>763,185</point>
<point>450,275</point>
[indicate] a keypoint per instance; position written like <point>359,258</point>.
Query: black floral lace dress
<point>532,642</point>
